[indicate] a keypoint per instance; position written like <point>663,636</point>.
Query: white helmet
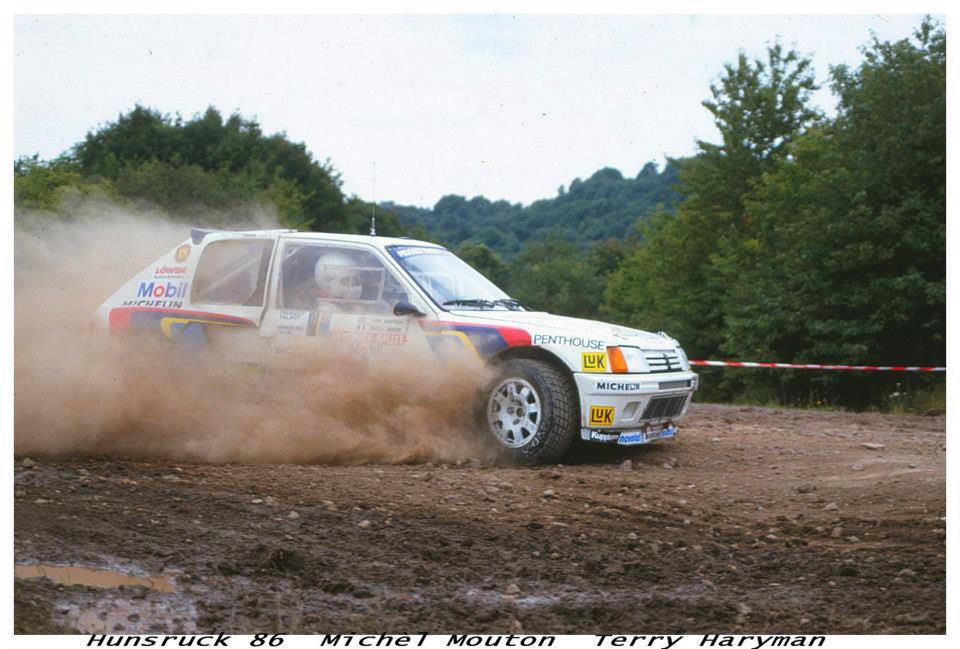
<point>336,276</point>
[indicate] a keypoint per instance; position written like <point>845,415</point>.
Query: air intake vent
<point>664,407</point>
<point>662,360</point>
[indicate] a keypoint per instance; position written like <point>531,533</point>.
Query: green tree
<point>846,258</point>
<point>359,213</point>
<point>485,260</point>
<point>606,256</point>
<point>606,205</point>
<point>39,185</point>
<point>553,276</point>
<point>220,162</point>
<point>670,282</point>
<point>208,170</point>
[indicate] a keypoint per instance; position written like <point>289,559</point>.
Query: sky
<point>410,108</point>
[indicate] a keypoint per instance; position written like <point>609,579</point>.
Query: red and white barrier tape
<point>815,366</point>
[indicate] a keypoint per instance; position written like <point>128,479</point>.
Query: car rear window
<point>232,272</point>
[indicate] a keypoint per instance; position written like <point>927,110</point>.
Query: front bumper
<point>633,408</point>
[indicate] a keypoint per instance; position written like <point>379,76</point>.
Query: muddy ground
<point>753,520</point>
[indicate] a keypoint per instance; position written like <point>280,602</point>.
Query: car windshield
<point>451,282</point>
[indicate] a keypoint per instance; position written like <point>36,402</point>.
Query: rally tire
<point>553,391</point>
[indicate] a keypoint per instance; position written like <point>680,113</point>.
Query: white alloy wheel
<point>513,412</point>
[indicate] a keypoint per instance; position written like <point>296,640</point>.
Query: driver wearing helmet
<point>337,279</point>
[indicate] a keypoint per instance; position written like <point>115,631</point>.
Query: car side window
<point>336,278</point>
<point>232,272</point>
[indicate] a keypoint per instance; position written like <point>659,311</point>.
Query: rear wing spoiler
<point>197,234</point>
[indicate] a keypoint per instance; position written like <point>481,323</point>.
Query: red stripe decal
<point>515,337</point>
<point>512,336</point>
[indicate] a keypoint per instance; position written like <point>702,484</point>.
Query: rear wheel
<point>531,410</point>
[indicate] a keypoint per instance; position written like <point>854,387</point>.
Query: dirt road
<point>754,520</point>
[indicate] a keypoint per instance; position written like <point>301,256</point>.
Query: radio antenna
<point>373,204</point>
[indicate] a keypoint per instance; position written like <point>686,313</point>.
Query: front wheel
<point>531,410</point>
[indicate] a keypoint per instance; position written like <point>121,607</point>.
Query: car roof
<point>380,242</point>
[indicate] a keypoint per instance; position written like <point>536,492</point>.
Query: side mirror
<point>403,307</point>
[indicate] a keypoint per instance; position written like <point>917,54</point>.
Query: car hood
<point>610,334</point>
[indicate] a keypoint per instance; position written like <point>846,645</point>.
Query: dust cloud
<point>79,390</point>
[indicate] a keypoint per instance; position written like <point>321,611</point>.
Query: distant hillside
<point>603,206</point>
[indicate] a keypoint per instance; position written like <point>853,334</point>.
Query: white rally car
<point>556,378</point>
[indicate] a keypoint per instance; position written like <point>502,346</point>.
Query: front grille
<point>662,360</point>
<point>662,407</point>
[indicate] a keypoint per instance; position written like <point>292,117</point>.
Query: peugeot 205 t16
<point>555,378</point>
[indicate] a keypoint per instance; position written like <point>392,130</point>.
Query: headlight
<point>625,360</point>
<point>684,361</point>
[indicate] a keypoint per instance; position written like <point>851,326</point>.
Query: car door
<point>340,295</point>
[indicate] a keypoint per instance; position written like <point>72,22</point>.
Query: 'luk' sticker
<point>601,416</point>
<point>594,361</point>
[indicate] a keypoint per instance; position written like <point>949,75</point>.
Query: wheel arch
<point>529,352</point>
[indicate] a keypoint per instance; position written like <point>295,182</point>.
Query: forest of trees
<point>796,237</point>
<point>604,206</point>
<point>206,171</point>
